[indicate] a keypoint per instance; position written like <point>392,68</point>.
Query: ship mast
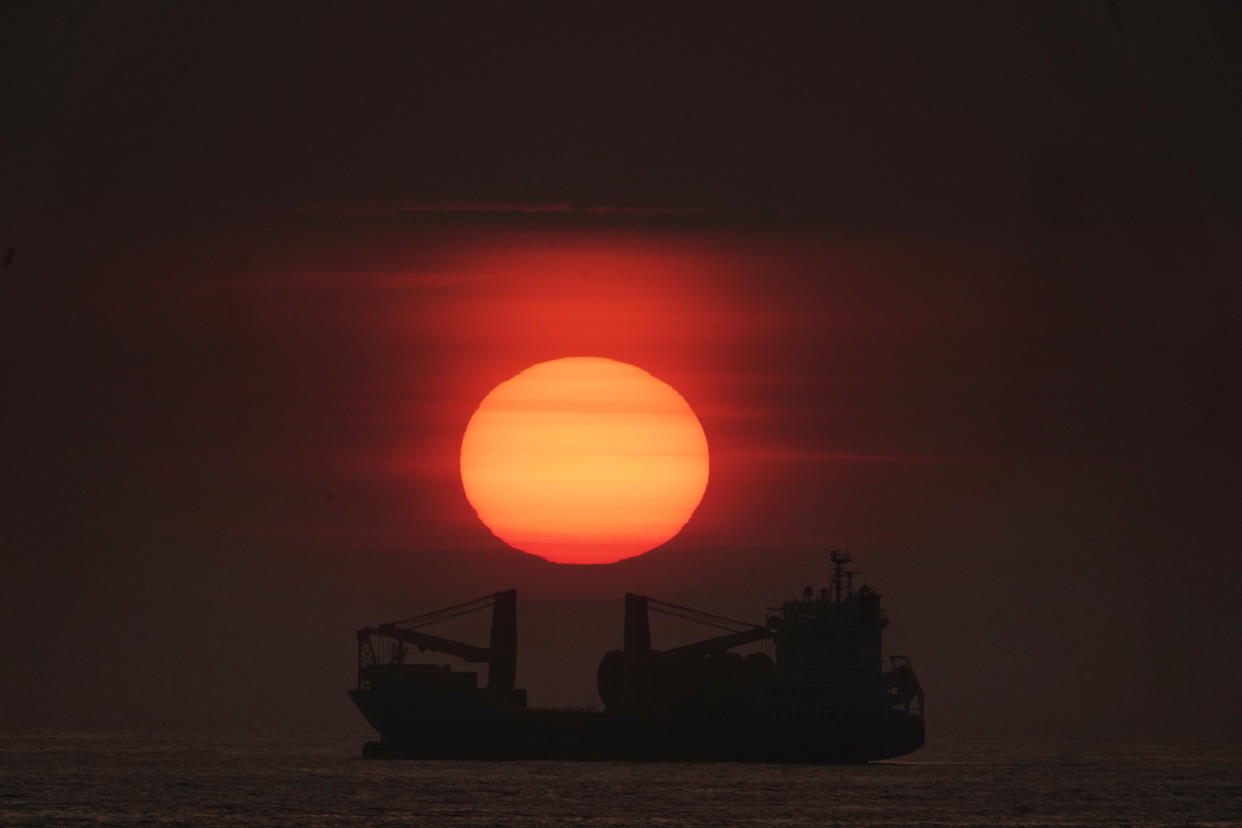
<point>842,579</point>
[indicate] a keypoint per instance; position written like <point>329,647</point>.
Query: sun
<point>584,460</point>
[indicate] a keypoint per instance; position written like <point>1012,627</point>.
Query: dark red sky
<point>953,287</point>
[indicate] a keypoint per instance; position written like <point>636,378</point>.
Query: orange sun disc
<point>584,460</point>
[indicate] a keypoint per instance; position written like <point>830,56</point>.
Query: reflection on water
<point>252,780</point>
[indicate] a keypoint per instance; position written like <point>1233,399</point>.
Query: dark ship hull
<point>758,735</point>
<point>828,696</point>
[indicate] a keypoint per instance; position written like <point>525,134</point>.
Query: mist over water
<point>62,779</point>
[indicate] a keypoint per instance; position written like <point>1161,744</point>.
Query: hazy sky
<point>953,287</point>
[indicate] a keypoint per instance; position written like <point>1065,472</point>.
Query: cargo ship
<point>829,696</point>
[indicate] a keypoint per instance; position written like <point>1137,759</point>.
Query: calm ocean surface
<point>61,779</point>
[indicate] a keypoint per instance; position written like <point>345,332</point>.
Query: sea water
<point>135,779</point>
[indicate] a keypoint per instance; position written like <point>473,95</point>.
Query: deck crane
<point>500,655</point>
<point>638,678</point>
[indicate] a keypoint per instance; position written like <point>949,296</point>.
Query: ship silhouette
<point>829,695</point>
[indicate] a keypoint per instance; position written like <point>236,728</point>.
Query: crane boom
<point>435,643</point>
<point>699,649</point>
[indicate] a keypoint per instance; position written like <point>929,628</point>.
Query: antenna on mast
<point>841,578</point>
